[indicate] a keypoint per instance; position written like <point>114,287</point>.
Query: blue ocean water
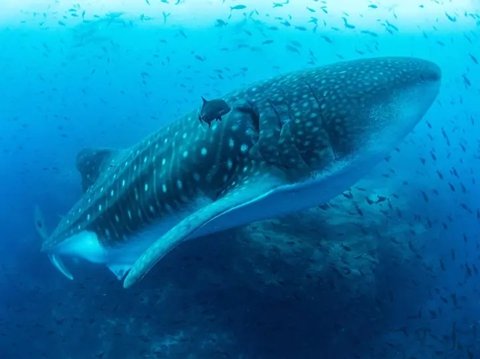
<point>389,269</point>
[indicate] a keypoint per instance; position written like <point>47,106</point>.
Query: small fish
<point>327,39</point>
<point>450,17</point>
<point>280,4</point>
<point>389,26</point>
<point>292,49</point>
<point>347,24</point>
<point>466,208</point>
<point>474,59</point>
<point>165,16</point>
<point>347,194</point>
<point>213,110</point>
<point>425,196</point>
<point>238,7</point>
<point>371,33</point>
<point>442,264</point>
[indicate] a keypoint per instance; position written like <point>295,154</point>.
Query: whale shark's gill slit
<point>283,110</point>
<point>289,117</point>
<point>282,119</point>
<point>314,95</point>
<point>323,121</point>
<point>252,112</point>
<point>337,139</point>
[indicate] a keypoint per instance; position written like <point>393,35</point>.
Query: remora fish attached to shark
<point>288,143</point>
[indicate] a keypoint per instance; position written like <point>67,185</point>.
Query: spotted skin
<point>292,127</point>
<point>160,176</point>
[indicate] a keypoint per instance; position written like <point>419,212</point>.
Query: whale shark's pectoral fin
<point>58,263</point>
<point>247,191</point>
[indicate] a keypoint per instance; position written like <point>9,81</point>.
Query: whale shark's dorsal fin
<point>91,162</point>
<point>247,191</point>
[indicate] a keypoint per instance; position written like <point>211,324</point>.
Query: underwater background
<point>389,269</point>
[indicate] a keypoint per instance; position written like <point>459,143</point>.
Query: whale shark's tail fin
<point>42,231</point>
<point>40,223</point>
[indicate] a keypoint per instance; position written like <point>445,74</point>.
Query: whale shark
<point>288,143</point>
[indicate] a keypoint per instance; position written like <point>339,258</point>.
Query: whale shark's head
<point>360,108</point>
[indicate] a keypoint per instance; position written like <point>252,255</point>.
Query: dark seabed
<point>388,269</point>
